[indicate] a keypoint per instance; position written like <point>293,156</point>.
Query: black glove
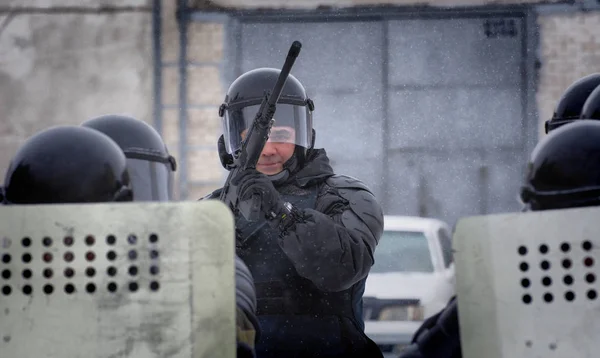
<point>250,182</point>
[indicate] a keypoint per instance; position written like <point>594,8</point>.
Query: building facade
<point>436,105</point>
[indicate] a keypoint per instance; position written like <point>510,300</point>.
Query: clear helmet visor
<point>150,180</point>
<point>292,124</point>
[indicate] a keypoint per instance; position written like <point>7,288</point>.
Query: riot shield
<point>526,284</point>
<point>117,280</point>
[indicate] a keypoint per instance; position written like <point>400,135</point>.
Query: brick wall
<point>205,93</point>
<point>569,50</point>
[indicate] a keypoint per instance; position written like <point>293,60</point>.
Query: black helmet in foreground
<point>564,169</point>
<point>67,164</point>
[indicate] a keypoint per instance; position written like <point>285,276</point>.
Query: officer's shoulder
<point>339,181</point>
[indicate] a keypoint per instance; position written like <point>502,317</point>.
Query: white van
<point>411,280</point>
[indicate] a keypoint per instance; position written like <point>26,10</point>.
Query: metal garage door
<point>428,112</point>
<point>455,118</point>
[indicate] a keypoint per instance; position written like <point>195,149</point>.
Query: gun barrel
<point>285,71</point>
<point>295,49</point>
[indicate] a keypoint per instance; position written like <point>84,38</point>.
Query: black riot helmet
<point>67,164</point>
<point>564,169</point>
<point>150,165</point>
<point>571,103</point>
<point>591,107</point>
<point>293,115</point>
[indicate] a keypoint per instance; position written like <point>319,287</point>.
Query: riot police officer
<point>571,103</point>
<point>563,172</point>
<point>150,165</point>
<point>67,164</point>
<point>309,270</point>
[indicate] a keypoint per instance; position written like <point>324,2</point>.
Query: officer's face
<point>278,150</point>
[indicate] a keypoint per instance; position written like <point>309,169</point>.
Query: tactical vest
<point>291,307</point>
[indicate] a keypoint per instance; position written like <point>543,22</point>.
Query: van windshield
<point>402,251</point>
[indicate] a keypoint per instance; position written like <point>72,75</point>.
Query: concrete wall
<point>62,62</point>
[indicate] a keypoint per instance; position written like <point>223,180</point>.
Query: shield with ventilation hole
<point>117,280</point>
<point>526,284</point>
